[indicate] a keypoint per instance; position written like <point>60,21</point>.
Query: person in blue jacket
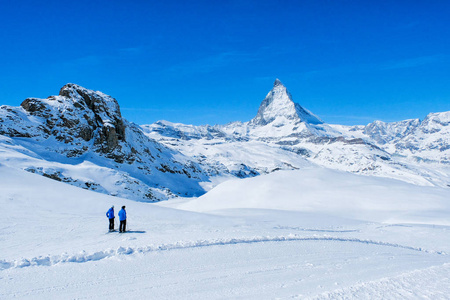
<point>123,219</point>
<point>110,215</point>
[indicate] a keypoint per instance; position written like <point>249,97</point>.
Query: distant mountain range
<point>80,137</point>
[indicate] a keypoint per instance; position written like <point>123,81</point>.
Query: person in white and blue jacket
<point>123,219</point>
<point>110,215</point>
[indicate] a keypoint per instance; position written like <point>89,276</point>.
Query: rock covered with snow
<point>78,117</point>
<point>82,124</point>
<point>383,132</point>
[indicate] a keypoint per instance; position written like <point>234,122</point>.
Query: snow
<point>334,193</point>
<point>427,140</point>
<point>322,212</point>
<point>54,240</point>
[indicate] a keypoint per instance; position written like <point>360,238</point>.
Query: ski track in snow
<point>429,283</point>
<point>83,257</point>
<point>317,230</point>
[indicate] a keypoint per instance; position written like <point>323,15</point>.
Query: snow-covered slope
<point>55,245</point>
<point>336,193</point>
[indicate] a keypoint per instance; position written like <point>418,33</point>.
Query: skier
<point>110,215</point>
<point>123,219</point>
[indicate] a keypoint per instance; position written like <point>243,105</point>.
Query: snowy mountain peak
<point>94,100</point>
<point>277,83</point>
<point>278,105</point>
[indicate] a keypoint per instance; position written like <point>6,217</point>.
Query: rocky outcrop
<point>83,119</point>
<point>82,123</point>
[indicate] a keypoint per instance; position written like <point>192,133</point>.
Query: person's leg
<point>124,225</point>
<point>111,224</point>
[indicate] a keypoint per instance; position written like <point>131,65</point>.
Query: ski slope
<point>55,244</point>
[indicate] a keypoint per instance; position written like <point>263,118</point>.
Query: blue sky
<point>213,62</point>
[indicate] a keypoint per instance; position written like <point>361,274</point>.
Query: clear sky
<point>213,62</point>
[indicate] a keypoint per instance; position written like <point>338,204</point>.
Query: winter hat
<point>123,207</point>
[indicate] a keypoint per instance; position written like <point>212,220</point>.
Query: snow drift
<point>332,192</point>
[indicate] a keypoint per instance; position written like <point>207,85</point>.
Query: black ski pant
<point>122,226</point>
<point>111,224</point>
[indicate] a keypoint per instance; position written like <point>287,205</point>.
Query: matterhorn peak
<point>278,104</point>
<point>277,83</point>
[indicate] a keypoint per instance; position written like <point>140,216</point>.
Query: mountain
<point>80,137</point>
<point>285,136</point>
<point>426,140</point>
<point>278,107</point>
<point>377,238</point>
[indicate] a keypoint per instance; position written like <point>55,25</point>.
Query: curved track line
<point>99,255</point>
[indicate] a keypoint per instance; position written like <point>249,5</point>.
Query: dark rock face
<point>33,105</point>
<point>76,116</point>
<point>101,112</point>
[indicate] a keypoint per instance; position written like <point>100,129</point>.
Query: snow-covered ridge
<point>427,140</point>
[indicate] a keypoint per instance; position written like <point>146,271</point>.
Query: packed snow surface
<point>289,234</point>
